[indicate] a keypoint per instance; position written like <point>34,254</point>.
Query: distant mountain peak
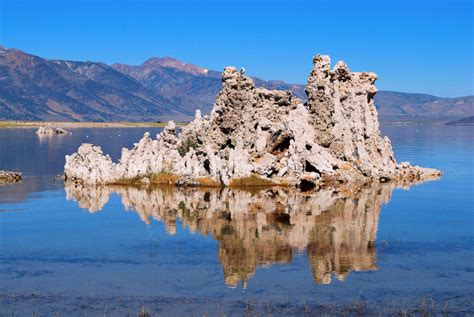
<point>6,50</point>
<point>174,63</point>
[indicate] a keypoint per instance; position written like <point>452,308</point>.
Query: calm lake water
<point>122,250</point>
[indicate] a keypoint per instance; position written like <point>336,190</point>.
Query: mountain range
<point>38,89</point>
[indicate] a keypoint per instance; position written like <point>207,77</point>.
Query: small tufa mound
<point>48,131</point>
<point>7,177</point>
<point>266,135</point>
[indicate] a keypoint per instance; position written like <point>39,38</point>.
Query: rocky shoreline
<point>260,137</point>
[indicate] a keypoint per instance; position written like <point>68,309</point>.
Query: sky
<point>423,46</point>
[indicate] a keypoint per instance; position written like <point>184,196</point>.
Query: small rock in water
<point>59,177</point>
<point>9,177</point>
<point>47,130</point>
<point>60,131</point>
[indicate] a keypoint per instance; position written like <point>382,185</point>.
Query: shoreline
<point>85,124</point>
<point>120,124</point>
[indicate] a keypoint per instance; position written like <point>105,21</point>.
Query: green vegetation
<point>208,182</point>
<point>166,178</point>
<point>5,124</point>
<point>162,178</point>
<point>129,181</point>
<point>186,146</point>
<point>252,180</point>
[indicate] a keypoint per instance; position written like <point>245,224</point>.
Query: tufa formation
<point>256,136</point>
<point>7,177</point>
<point>49,131</point>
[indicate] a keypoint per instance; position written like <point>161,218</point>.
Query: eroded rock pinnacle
<point>256,136</point>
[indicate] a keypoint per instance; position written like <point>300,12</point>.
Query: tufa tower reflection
<point>264,226</point>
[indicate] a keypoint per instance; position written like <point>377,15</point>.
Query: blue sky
<point>414,46</point>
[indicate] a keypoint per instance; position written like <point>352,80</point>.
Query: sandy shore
<point>35,124</point>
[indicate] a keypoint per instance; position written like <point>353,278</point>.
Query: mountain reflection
<point>337,229</point>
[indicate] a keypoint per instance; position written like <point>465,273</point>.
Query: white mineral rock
<point>47,130</point>
<point>265,135</point>
<point>7,177</point>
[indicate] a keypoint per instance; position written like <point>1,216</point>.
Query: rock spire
<point>256,136</point>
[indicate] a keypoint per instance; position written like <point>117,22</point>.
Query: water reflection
<point>337,229</point>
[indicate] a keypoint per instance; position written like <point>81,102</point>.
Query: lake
<point>107,251</point>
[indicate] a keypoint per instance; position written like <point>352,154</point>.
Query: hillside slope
<point>464,121</point>
<point>34,88</point>
<point>397,106</point>
<point>188,86</point>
